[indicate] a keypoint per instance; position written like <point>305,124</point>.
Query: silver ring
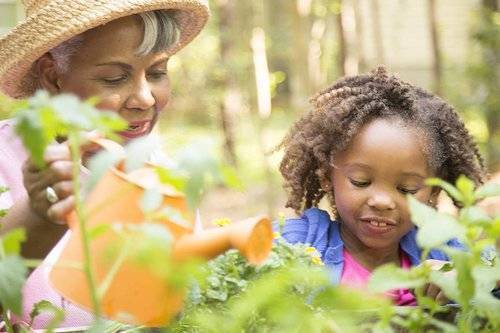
<point>51,195</point>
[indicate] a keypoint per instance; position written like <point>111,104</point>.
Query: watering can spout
<point>252,237</point>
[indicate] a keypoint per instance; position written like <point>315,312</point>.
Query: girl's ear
<point>47,73</point>
<point>433,198</point>
<point>326,183</point>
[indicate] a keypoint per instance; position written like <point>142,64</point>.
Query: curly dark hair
<point>340,111</point>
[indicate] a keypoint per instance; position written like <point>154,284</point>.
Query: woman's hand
<point>57,175</point>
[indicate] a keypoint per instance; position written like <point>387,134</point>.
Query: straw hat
<point>50,22</point>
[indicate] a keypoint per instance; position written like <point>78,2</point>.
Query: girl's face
<point>371,178</point>
<point>105,65</point>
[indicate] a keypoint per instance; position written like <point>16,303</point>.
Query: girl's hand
<point>431,290</point>
<point>56,175</point>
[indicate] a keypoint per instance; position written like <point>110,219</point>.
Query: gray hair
<point>161,31</point>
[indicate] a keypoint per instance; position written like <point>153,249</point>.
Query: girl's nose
<point>141,97</point>
<point>381,201</point>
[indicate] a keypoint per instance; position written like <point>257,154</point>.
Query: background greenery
<point>299,46</point>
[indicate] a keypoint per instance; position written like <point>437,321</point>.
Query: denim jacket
<point>316,228</point>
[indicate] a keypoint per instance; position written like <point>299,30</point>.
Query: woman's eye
<point>408,190</point>
<point>114,80</point>
<point>359,183</point>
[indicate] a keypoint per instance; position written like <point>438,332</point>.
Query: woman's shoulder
<point>311,228</point>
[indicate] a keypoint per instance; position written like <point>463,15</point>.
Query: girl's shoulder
<point>311,228</point>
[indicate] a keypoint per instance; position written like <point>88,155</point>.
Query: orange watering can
<point>137,295</point>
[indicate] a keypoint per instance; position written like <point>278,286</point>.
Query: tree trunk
<point>362,65</point>
<point>377,31</point>
<point>299,74</point>
<point>341,52</point>
<point>230,104</point>
<point>436,50</point>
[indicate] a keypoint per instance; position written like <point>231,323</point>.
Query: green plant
<point>290,292</point>
<point>475,269</point>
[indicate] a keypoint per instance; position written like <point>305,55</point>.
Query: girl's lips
<point>137,129</point>
<point>378,225</point>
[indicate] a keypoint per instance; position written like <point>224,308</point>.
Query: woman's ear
<point>47,74</point>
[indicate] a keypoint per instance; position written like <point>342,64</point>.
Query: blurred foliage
<point>470,276</point>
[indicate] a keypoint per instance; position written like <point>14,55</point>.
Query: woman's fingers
<point>57,171</point>
<point>59,211</point>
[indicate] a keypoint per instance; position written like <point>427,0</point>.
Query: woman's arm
<point>41,235</point>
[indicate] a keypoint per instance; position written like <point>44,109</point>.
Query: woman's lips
<point>137,129</point>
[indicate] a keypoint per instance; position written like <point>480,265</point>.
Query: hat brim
<point>61,20</point>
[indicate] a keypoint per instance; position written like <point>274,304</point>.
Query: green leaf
<point>465,282</point>
<point>151,200</point>
<point>485,278</point>
<point>98,230</point>
<point>3,189</point>
<point>99,165</point>
<point>474,215</point>
<point>488,190</point>
<point>434,228</point>
<point>12,240</point>
<point>172,177</point>
<point>449,188</point>
<point>13,276</point>
<point>389,276</point>
<point>466,187</point>
<point>447,281</point>
<point>138,151</point>
<point>47,307</point>
<point>34,138</point>
<point>172,214</point>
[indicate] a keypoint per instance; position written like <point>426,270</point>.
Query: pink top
<point>355,275</point>
<point>37,288</point>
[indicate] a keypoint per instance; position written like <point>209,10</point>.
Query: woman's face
<point>106,65</point>
<point>371,179</point>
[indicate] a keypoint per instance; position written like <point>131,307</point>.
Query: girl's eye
<point>408,190</point>
<point>157,75</point>
<point>358,183</point>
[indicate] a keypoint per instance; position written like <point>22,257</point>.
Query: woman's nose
<point>381,201</point>
<point>141,96</point>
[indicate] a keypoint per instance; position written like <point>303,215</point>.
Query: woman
<point>116,50</point>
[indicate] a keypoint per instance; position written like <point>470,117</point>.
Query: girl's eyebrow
<point>413,174</point>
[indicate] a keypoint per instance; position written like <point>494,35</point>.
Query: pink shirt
<point>37,287</point>
<point>357,276</point>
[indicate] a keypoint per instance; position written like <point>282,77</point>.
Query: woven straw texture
<point>50,22</point>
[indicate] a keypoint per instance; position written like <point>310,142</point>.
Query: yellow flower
<point>276,235</point>
<point>317,261</point>
<point>312,251</point>
<point>221,222</point>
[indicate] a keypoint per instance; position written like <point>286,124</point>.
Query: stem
<point>75,156</point>
<point>106,282</point>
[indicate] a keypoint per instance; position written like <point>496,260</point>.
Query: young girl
<point>369,142</point>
